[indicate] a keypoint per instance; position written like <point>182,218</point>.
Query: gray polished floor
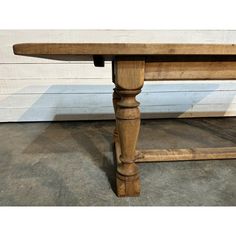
<point>71,163</point>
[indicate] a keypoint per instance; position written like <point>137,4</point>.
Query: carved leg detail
<point>128,76</point>
<point>116,99</point>
<point>128,125</point>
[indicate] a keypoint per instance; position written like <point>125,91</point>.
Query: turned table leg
<point>115,99</point>
<point>128,78</point>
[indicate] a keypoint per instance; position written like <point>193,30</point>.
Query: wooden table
<point>132,64</point>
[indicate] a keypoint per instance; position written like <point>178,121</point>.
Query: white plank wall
<point>40,89</point>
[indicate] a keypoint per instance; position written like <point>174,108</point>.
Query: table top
<point>128,42</point>
<point>111,49</point>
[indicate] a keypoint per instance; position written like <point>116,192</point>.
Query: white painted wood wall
<point>39,89</point>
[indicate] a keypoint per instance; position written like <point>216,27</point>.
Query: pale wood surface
<point>112,49</point>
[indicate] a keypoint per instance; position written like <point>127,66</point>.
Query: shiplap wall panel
<point>104,99</point>
<point>59,86</point>
<point>88,85</point>
<point>64,88</point>
<point>101,113</point>
<point>50,71</point>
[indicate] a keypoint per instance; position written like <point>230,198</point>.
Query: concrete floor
<point>71,163</point>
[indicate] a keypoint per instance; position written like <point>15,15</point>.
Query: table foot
<point>127,186</point>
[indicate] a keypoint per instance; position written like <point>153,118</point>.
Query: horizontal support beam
<point>190,154</point>
<point>214,70</point>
